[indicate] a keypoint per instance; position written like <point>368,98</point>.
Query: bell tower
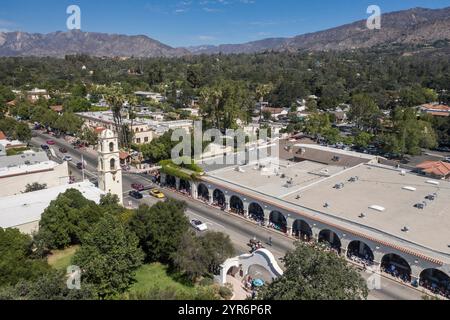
<point>109,169</point>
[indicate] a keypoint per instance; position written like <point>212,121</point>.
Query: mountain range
<point>416,26</point>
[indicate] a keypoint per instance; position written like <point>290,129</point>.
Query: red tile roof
<point>437,168</point>
<point>436,107</point>
<point>2,136</point>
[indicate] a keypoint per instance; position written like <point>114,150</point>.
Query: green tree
<point>190,257</point>
<point>217,248</point>
<point>67,220</point>
<point>16,262</point>
<point>50,286</point>
<point>109,257</point>
<point>314,274</point>
<point>160,229</point>
<point>364,112</point>
<point>160,148</point>
<point>226,102</point>
<point>197,256</point>
<point>76,104</point>
<point>35,187</point>
<point>68,123</point>
<point>363,139</point>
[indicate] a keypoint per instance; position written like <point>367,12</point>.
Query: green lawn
<point>156,275</point>
<point>60,259</point>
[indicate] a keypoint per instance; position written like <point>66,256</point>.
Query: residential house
<point>435,109</point>
<point>36,94</point>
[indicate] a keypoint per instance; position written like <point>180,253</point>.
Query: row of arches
<point>391,263</point>
<point>185,186</point>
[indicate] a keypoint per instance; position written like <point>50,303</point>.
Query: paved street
<point>239,230</point>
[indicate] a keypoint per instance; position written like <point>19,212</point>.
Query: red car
<point>50,142</point>
<point>138,187</point>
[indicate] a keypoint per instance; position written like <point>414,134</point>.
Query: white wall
<point>17,184</point>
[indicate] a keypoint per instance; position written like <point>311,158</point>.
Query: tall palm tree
<point>115,98</point>
<point>262,90</point>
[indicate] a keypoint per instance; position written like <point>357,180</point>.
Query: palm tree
<point>262,90</point>
<point>115,98</point>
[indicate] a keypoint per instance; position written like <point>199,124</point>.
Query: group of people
<point>249,286</point>
<point>255,245</point>
<point>302,236</point>
<point>219,204</point>
<point>364,259</point>
<point>258,219</point>
<point>277,227</point>
<point>442,289</point>
<point>396,272</point>
<point>238,211</point>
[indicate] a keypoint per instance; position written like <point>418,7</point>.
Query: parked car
<point>50,142</point>
<point>136,194</point>
<point>67,158</point>
<point>138,186</point>
<point>157,194</point>
<point>447,159</point>
<point>45,147</point>
<point>80,166</point>
<point>443,149</point>
<point>198,225</point>
<point>63,150</point>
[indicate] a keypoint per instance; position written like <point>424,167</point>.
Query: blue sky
<point>195,22</point>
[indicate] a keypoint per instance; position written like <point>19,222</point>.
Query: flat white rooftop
<point>28,207</point>
<point>276,178</point>
<point>397,193</point>
<point>386,196</point>
<point>27,169</point>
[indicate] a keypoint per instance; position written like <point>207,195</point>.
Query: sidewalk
<point>239,292</point>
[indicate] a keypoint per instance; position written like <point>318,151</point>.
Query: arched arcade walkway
<point>278,221</point>
<point>203,192</point>
<point>237,205</point>
<point>302,230</point>
<point>256,212</point>
<point>331,238</point>
<point>396,266</point>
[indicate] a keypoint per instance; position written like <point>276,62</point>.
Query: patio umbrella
<point>258,283</point>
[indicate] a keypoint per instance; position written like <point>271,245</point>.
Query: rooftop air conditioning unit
<point>409,188</point>
<point>435,183</point>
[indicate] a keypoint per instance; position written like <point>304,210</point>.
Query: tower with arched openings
<point>109,169</point>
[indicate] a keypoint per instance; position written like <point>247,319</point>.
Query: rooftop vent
<point>405,229</point>
<point>339,186</point>
<point>420,206</point>
<point>362,215</point>
<point>435,183</point>
<point>377,208</point>
<point>409,188</point>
